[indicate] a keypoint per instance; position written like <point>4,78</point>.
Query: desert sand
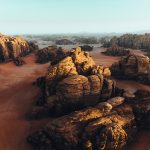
<point>18,94</point>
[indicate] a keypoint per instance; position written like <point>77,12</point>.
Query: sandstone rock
<point>77,62</point>
<point>101,70</point>
<point>58,72</point>
<point>141,108</point>
<point>83,60</point>
<point>13,47</point>
<point>86,48</point>
<point>102,118</point>
<point>76,82</point>
<point>108,89</point>
<point>90,128</point>
<point>115,50</point>
<point>50,53</point>
<point>77,91</point>
<point>133,41</point>
<point>134,66</point>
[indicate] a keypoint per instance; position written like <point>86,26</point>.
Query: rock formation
<point>115,50</point>
<point>73,79</point>
<point>102,116</point>
<point>133,66</point>
<point>75,92</point>
<point>50,53</point>
<point>76,62</point>
<point>86,48</point>
<point>108,125</point>
<point>133,41</point>
<point>12,47</point>
<point>141,108</point>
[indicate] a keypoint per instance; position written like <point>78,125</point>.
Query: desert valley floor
<point>18,94</point>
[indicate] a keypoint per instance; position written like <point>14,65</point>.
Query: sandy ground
<point>17,96</point>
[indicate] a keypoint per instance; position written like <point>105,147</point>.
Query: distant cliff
<point>12,47</point>
<point>131,41</point>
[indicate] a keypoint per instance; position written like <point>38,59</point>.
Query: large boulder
<point>96,114</point>
<point>77,62</point>
<point>133,66</point>
<point>76,92</point>
<point>13,47</point>
<point>73,83</point>
<point>108,125</point>
<point>141,108</point>
<point>102,127</point>
<point>50,53</point>
<point>87,47</point>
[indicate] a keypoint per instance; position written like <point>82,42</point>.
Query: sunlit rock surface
<point>12,47</point>
<point>92,113</point>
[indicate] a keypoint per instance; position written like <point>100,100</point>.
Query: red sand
<point>17,96</point>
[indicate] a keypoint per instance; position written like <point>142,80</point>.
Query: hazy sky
<point>70,16</point>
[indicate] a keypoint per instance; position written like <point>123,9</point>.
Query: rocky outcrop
<point>86,48</point>
<point>64,42</point>
<point>133,66</point>
<point>12,47</point>
<point>97,115</point>
<point>50,53</point>
<point>115,50</point>
<point>71,81</point>
<point>108,125</point>
<point>141,108</point>
<point>76,92</point>
<point>133,41</point>
<point>77,62</point>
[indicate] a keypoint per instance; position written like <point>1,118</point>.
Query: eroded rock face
<point>95,128</point>
<point>50,53</point>
<point>133,41</point>
<point>141,108</point>
<point>133,66</point>
<point>77,62</point>
<point>86,48</point>
<point>76,92</point>
<point>73,83</point>
<point>107,125</point>
<point>100,119</point>
<point>13,47</point>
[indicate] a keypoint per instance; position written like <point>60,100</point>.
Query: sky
<point>73,16</point>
